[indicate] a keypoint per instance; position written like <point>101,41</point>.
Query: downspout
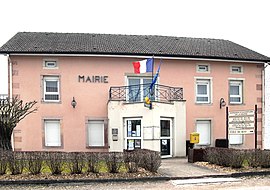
<point>10,91</point>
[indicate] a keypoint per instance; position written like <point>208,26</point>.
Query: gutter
<point>140,56</point>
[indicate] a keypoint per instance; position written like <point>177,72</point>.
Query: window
<point>50,65</point>
<point>134,137</point>
<point>235,90</point>
<point>204,68</point>
<point>236,69</point>
<point>202,91</point>
<point>138,89</point>
<point>235,139</point>
<point>96,133</point>
<point>204,129</point>
<point>51,89</point>
<point>52,133</point>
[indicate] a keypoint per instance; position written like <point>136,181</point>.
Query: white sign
<point>241,132</point>
<point>241,122</point>
<point>241,113</point>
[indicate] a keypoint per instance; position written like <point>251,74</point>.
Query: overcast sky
<point>245,22</point>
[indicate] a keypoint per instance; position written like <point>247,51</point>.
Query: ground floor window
<point>95,132</point>
<point>52,133</point>
<point>235,139</point>
<point>133,134</point>
<point>203,127</point>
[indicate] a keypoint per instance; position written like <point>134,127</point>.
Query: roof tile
<point>82,43</point>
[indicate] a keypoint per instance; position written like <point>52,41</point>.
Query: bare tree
<point>12,111</point>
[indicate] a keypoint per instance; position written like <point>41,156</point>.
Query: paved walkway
<point>181,168</point>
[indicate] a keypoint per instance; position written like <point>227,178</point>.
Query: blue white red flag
<point>143,66</point>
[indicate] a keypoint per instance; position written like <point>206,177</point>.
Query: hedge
<point>36,162</point>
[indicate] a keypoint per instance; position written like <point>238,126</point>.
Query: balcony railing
<point>137,93</point>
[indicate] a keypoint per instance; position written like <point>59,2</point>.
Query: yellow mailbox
<point>194,137</point>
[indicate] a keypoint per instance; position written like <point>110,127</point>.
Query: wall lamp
<point>73,102</point>
<point>222,103</point>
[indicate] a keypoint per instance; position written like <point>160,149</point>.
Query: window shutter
<point>96,133</point>
<point>52,133</point>
<point>203,128</point>
<point>235,139</point>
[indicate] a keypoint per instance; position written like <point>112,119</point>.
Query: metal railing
<point>137,93</point>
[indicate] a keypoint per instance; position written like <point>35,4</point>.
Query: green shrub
<point>55,162</point>
<point>254,157</point>
<point>34,162</point>
<point>3,162</point>
<point>113,161</point>
<point>131,159</point>
<point>75,162</point>
<point>92,159</point>
<point>16,162</point>
<point>265,159</point>
<point>151,160</point>
<point>236,158</point>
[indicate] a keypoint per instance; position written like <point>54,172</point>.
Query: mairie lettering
<point>93,79</point>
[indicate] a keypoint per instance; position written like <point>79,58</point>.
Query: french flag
<point>143,66</point>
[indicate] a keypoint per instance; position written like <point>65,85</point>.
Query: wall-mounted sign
<point>241,122</point>
<point>93,79</point>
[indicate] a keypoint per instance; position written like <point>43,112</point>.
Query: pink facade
<point>92,97</point>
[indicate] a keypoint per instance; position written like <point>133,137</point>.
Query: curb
<point>143,179</point>
<point>85,181</point>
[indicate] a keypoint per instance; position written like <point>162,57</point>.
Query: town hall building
<point>91,99</point>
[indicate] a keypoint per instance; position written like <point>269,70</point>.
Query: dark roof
<point>114,44</point>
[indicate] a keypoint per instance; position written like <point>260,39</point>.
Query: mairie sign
<point>241,122</point>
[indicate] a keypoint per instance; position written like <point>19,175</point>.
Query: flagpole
<point>153,68</point>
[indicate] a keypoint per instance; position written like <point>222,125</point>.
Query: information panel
<point>241,122</point>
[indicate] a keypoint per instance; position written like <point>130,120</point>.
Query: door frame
<point>167,138</point>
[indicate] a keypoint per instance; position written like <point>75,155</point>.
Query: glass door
<point>165,138</point>
<point>133,134</point>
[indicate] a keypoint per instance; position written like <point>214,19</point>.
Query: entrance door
<point>133,134</point>
<point>165,138</point>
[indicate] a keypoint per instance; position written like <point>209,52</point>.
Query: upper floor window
<point>236,91</point>
<point>203,91</point>
<point>51,89</point>
<point>236,69</point>
<point>203,68</point>
<point>50,64</point>
<point>139,88</point>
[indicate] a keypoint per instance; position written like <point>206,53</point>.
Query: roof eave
<point>135,54</point>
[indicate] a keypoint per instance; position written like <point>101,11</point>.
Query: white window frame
<point>235,139</point>
<point>57,133</point>
<point>47,64</point>
<point>170,137</point>
<point>201,70</point>
<point>51,78</point>
<point>208,83</point>
<point>240,84</point>
<point>208,141</point>
<point>127,137</point>
<point>236,69</point>
<point>141,78</point>
<point>98,142</point>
